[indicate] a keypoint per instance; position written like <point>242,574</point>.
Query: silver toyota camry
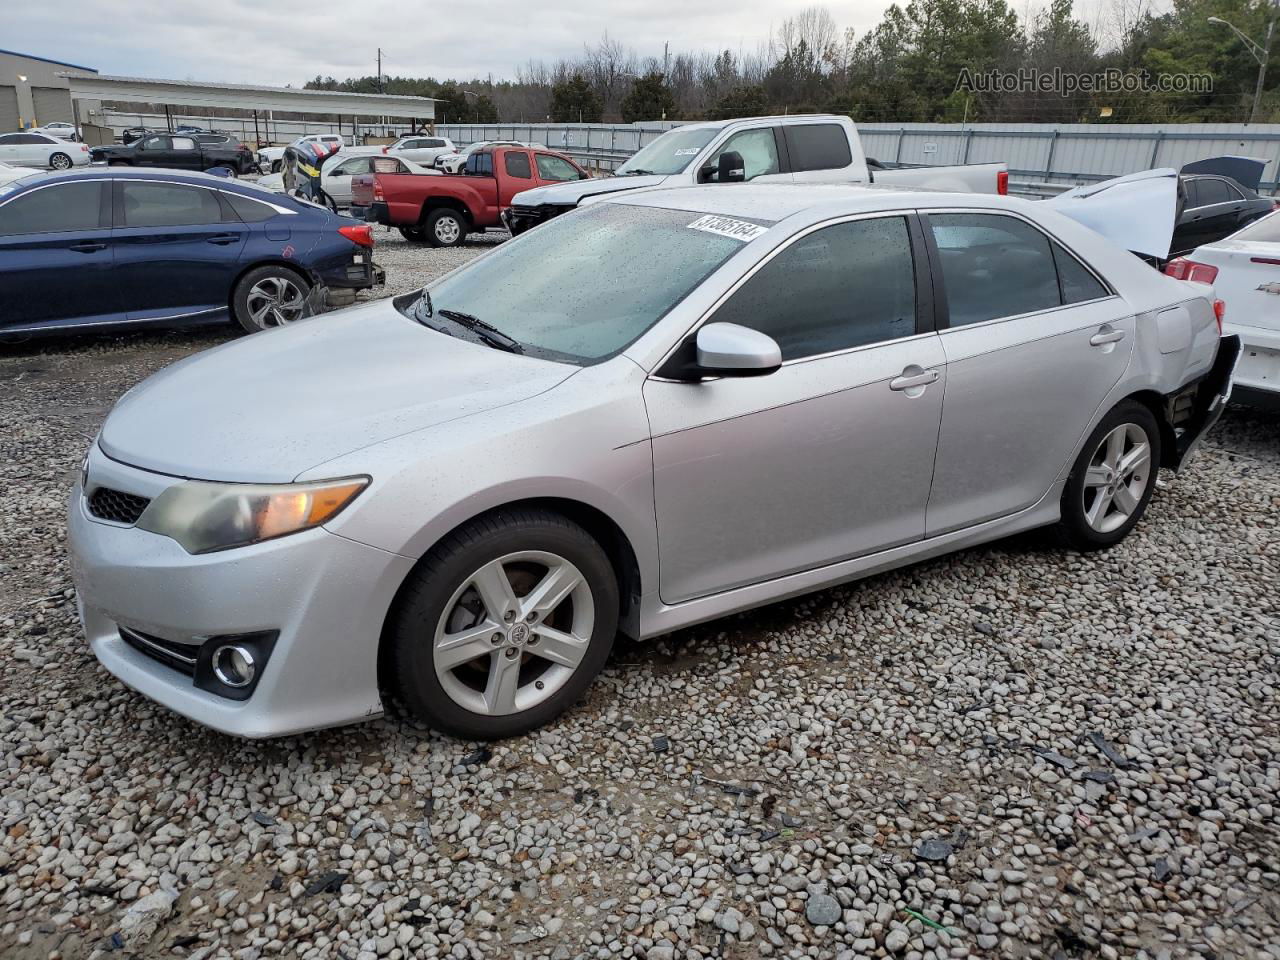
<point>654,411</point>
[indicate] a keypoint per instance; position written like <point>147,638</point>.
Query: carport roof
<point>194,93</point>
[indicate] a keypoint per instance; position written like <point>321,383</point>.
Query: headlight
<point>216,516</point>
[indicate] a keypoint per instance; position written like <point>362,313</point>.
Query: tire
<point>284,288</point>
<point>528,550</point>
<point>276,165</point>
<point>1101,503</point>
<point>117,163</point>
<point>59,161</point>
<point>414,234</point>
<point>445,227</point>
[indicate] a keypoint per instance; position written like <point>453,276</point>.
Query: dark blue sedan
<point>123,248</point>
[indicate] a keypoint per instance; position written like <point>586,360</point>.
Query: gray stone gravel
<point>814,749</point>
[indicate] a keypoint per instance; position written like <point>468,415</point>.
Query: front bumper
<point>518,218</point>
<point>325,597</point>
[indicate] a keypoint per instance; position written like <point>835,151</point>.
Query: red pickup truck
<point>442,210</point>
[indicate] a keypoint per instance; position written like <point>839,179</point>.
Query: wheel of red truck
<point>445,228</point>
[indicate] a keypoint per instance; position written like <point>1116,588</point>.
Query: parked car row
<point>108,248</point>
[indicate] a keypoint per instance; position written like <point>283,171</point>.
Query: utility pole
<point>666,49</point>
<point>380,70</point>
<point>1260,52</point>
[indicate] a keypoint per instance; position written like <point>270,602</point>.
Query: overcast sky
<point>278,42</point>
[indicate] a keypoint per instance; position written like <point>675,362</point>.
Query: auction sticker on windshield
<point>728,227</point>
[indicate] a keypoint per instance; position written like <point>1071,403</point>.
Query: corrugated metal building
<point>32,93</point>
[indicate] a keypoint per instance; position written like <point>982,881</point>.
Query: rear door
<point>1034,341</point>
<point>177,248</point>
<point>9,149</point>
<point>56,261</point>
<point>817,152</point>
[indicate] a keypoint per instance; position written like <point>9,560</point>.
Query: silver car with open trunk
<point>659,409</point>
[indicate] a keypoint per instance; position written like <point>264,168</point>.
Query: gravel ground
<point>1014,751</point>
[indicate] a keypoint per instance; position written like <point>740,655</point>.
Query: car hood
<point>573,191</point>
<point>270,406</point>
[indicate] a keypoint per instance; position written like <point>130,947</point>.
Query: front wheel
<point>60,161</point>
<point>1113,479</point>
<point>445,228</point>
<point>276,165</point>
<point>504,625</point>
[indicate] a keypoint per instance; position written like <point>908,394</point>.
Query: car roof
<point>141,173</point>
<point>778,201</point>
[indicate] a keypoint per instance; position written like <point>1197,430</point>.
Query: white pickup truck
<point>807,148</point>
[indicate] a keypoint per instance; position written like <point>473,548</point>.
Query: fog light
<point>234,665</point>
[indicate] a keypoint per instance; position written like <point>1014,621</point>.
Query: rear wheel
<point>504,625</point>
<point>276,165</point>
<point>60,161</point>
<point>1113,479</point>
<point>270,296</point>
<point>445,228</point>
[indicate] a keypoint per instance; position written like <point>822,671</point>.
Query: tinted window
<point>758,148</point>
<point>1078,284</point>
<point>9,138</point>
<point>168,205</point>
<point>993,266</point>
<point>433,143</point>
<point>818,146</point>
<point>1192,188</point>
<point>67,206</point>
<point>1233,192</point>
<point>518,166</point>
<point>843,286</point>
<point>556,168</point>
<point>480,165</point>
<point>250,211</point>
<point>1212,191</point>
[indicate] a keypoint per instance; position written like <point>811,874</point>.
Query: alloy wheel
<point>274,302</point>
<point>513,633</point>
<point>60,161</point>
<point>1117,478</point>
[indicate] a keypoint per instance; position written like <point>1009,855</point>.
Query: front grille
<point>116,506</point>
<point>179,656</point>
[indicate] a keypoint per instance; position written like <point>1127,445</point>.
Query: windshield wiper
<point>635,172</point>
<point>485,331</point>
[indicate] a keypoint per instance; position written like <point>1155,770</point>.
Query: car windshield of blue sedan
<point>585,285</point>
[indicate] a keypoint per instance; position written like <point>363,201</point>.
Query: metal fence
<point>247,129</point>
<point>1042,158</point>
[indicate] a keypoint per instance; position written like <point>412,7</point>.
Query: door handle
<point>87,247</point>
<point>223,239</point>
<point>910,380</point>
<point>1105,336</point>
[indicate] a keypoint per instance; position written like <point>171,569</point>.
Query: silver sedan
<point>656,410</point>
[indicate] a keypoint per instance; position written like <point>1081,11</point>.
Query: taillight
<point>83,148</point>
<point>1002,183</point>
<point>1219,311</point>
<point>361,236</point>
<point>377,190</point>
<point>386,149</point>
<point>1184,269</point>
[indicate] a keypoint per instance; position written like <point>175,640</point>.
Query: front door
<point>177,248</point>
<point>828,458</point>
<point>1034,342</point>
<point>56,263</point>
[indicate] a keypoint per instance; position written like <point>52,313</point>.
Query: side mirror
<point>732,168</point>
<point>731,350</point>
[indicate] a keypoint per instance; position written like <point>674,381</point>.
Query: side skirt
<point>657,618</point>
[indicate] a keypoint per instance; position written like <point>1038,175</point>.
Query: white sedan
<point>335,177</point>
<point>1244,270</point>
<point>31,149</point>
<point>59,128</point>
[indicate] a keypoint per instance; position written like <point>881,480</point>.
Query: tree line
<point>907,68</point>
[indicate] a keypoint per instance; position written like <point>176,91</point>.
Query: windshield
<point>670,153</point>
<point>1266,230</point>
<point>583,286</point>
